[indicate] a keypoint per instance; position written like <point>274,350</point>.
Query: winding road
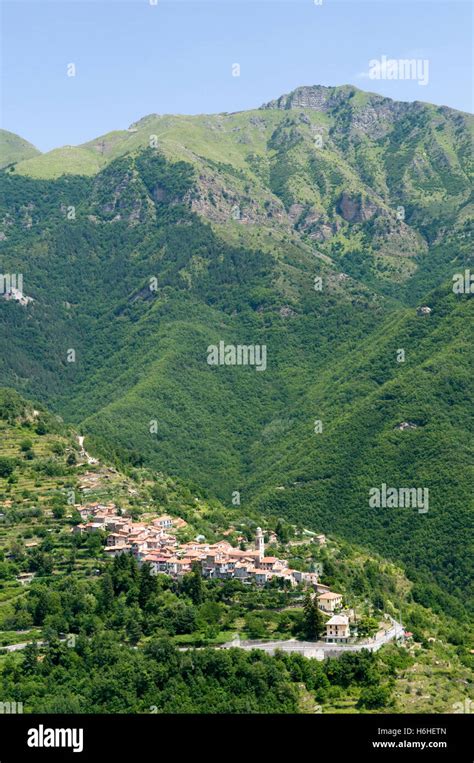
<point>320,649</point>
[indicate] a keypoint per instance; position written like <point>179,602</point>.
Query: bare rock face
<point>295,212</point>
<point>216,199</point>
<point>392,237</point>
<point>373,117</point>
<point>374,121</point>
<point>355,208</point>
<point>316,97</point>
<point>127,200</point>
<point>322,231</point>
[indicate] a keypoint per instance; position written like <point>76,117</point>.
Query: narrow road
<point>319,649</point>
<point>311,649</point>
<point>22,645</point>
<point>90,459</point>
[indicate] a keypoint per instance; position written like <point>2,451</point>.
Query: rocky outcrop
<point>127,199</point>
<point>394,238</point>
<point>373,116</point>
<point>216,198</point>
<point>355,208</point>
<point>316,97</point>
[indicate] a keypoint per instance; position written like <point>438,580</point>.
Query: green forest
<point>242,228</point>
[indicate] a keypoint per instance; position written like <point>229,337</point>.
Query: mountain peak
<point>317,97</point>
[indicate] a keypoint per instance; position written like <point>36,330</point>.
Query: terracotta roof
<point>330,595</point>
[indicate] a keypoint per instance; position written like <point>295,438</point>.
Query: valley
<point>75,538</point>
<point>273,304</point>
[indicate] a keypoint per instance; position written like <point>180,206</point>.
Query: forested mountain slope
<point>314,226</point>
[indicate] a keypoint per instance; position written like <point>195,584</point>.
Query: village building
<point>117,550</point>
<point>260,544</point>
<point>25,577</point>
<point>165,522</point>
<point>337,629</point>
<point>155,544</point>
<point>330,601</point>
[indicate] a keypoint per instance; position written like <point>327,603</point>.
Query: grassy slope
<point>14,149</point>
<point>60,161</point>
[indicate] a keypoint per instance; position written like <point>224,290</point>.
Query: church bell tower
<point>260,544</point>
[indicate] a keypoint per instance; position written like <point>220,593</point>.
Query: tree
<point>282,532</point>
<point>134,630</point>
<point>147,585</point>
<point>6,467</point>
<point>373,697</point>
<point>367,627</point>
<point>106,596</point>
<point>193,584</point>
<point>40,562</point>
<point>312,618</point>
<point>94,543</point>
<point>210,614</point>
<point>181,619</point>
<point>30,658</point>
<point>255,626</point>
<point>72,560</point>
<point>58,511</point>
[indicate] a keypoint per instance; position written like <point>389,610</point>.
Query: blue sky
<point>133,58</point>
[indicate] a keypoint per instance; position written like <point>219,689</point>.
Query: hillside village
<point>116,516</point>
<point>156,544</point>
<point>255,585</point>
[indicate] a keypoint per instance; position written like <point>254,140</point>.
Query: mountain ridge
<point>318,98</point>
<point>314,234</point>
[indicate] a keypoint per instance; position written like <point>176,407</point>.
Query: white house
<point>165,522</point>
<point>337,628</point>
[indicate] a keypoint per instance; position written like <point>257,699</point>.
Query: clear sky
<point>134,58</point>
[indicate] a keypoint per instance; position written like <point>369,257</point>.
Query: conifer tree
<point>312,618</point>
